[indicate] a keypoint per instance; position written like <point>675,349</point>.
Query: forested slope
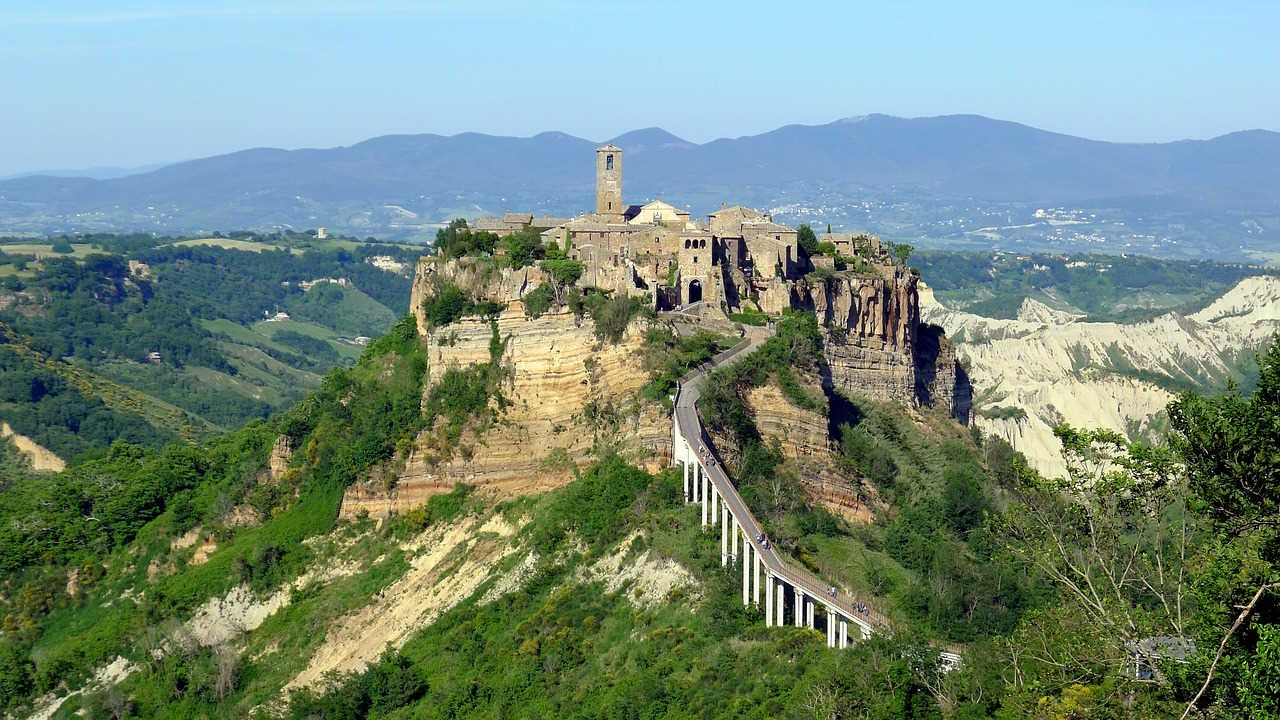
<point>146,338</point>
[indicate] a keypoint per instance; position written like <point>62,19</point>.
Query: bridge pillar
<point>702,491</point>
<point>799,605</point>
<point>781,589</point>
<point>768,599</point>
<point>831,629</point>
<point>715,501</point>
<point>686,480</point>
<point>809,608</point>
<point>866,632</point>
<point>756,593</point>
<point>734,529</point>
<point>746,575</point>
<point>710,491</point>
<point>724,535</point>
<point>844,634</point>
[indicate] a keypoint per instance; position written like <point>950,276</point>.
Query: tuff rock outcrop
<point>804,438</point>
<point>478,277</point>
<point>875,345</point>
<point>566,393</point>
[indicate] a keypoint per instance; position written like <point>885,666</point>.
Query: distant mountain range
<point>914,169</point>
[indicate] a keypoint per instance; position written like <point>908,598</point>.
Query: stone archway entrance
<point>695,291</point>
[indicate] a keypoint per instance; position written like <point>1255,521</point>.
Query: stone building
<point>515,222</point>
<point>659,251</point>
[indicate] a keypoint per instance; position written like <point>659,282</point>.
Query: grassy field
<point>310,329</point>
<point>45,250</point>
<point>230,244</point>
<point>354,313</point>
<point>240,333</point>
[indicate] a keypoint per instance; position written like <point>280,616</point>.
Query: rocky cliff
<point>941,380</point>
<point>875,345</point>
<point>567,393</point>
<point>480,277</point>
<point>803,435</point>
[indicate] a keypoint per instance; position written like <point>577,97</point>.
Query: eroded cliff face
<point>804,439</point>
<point>1057,366</point>
<point>567,393</point>
<point>941,381</point>
<point>810,453</point>
<point>479,277</point>
<point>875,345</point>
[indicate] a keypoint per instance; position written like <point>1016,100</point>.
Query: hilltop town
<point>735,269</point>
<point>739,263</point>
<point>737,258</point>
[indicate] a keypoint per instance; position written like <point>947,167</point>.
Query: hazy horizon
<point>115,171</point>
<point>280,73</point>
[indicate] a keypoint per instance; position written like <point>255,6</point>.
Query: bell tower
<point>609,182</point>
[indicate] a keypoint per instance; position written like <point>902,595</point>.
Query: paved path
<point>690,427</point>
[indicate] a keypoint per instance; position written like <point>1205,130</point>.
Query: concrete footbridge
<point>809,602</point>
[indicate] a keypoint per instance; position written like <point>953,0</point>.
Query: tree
<point>807,240</point>
<point>564,273</point>
<point>523,247</point>
<point>227,666</point>
<point>1113,536</point>
<point>1231,448</point>
<point>963,500</point>
<point>900,252</point>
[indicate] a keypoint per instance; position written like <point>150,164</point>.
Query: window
<point>608,162</point>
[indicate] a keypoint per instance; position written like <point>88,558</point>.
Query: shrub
<point>866,453</point>
<point>612,315</point>
<point>449,303</point>
<point>964,502</point>
<point>592,506</point>
<point>669,357</point>
<point>750,316</point>
<point>457,240</point>
<point>563,272</point>
<point>538,300</point>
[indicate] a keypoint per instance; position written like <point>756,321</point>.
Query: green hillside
<point>962,555</point>
<point>93,312</point>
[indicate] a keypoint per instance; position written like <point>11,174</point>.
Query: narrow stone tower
<point>609,182</point>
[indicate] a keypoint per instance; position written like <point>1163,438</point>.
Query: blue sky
<point>130,83</point>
